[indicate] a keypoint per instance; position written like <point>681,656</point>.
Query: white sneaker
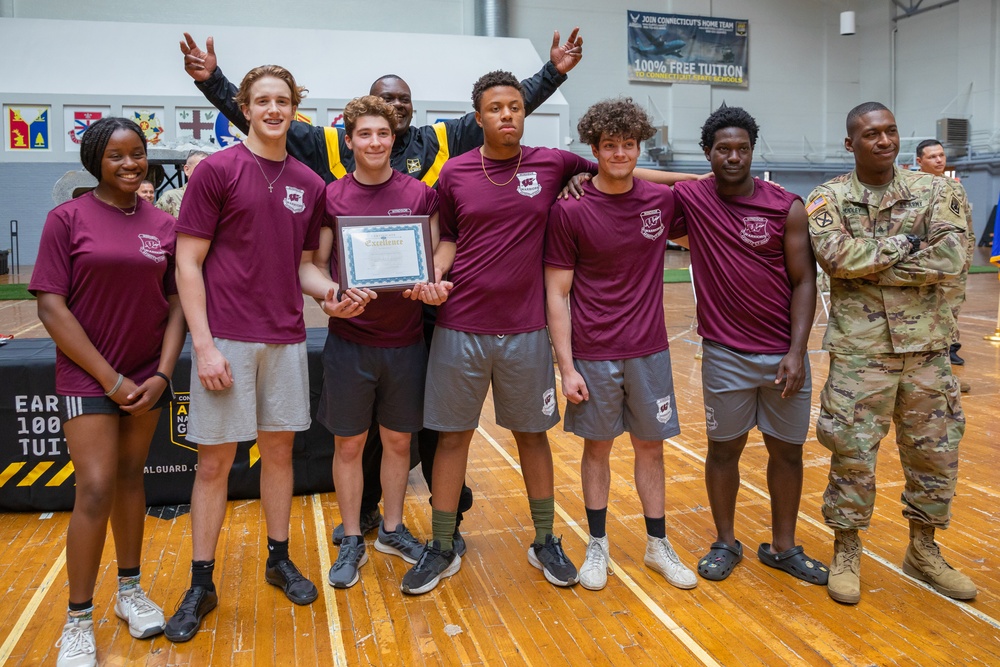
<point>76,646</point>
<point>596,567</point>
<point>661,557</point>
<point>144,618</point>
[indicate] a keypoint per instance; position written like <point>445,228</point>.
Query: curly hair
<point>865,107</point>
<point>724,117</point>
<point>96,138</point>
<point>619,117</point>
<point>494,79</point>
<point>368,105</point>
<point>242,97</point>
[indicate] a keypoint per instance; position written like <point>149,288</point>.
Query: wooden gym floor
<point>498,610</point>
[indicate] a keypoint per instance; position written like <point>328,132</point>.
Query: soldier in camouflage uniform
<point>170,201</point>
<point>931,160</point>
<point>889,239</point>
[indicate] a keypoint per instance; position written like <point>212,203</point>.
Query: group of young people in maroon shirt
<point>256,232</point>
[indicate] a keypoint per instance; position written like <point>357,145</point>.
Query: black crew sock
<point>81,606</point>
<point>276,551</point>
<point>201,573</point>
<point>656,527</point>
<point>128,572</point>
<point>597,521</point>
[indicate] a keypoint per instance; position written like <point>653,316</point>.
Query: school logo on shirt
<point>710,422</point>
<point>652,224</point>
<point>755,231</point>
<point>549,402</point>
<point>293,199</point>
<point>412,165</point>
<point>528,185</point>
<point>400,211</point>
<point>664,411</point>
<point>149,246</point>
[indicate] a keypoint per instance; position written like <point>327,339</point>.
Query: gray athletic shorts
<point>740,393</point>
<point>359,379</point>
<point>270,392</point>
<point>626,395</point>
<point>462,366</point>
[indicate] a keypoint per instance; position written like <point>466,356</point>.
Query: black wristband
<point>162,375</point>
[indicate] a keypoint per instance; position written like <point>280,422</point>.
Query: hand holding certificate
<point>383,253</point>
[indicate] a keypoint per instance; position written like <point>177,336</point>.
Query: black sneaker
<point>553,562</point>
<point>434,565</point>
<point>184,624</point>
<point>458,543</point>
<point>287,577</point>
<point>369,522</point>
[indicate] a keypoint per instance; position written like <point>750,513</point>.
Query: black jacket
<point>419,153</point>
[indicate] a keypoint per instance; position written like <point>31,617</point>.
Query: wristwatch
<point>914,242</point>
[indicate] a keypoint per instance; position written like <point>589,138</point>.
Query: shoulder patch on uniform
<point>815,205</point>
<point>955,206</point>
<point>823,219</point>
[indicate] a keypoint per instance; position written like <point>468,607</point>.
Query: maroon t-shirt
<point>614,244</point>
<point>251,271</point>
<point>499,232</point>
<point>115,272</point>
<point>738,256</point>
<point>390,320</point>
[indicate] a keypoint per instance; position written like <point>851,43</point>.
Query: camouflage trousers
<point>918,392</point>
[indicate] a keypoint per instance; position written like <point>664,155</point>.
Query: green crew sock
<point>543,511</point>
<point>443,525</point>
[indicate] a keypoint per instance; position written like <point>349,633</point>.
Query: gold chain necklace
<point>482,159</point>
<point>135,204</point>
<point>270,184</point>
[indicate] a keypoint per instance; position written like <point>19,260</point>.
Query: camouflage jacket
<point>170,201</point>
<point>885,299</point>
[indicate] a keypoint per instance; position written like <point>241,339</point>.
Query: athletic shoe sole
<point>357,573</point>
<point>453,568</point>
<point>393,551</point>
<point>551,578</point>
<point>145,634</point>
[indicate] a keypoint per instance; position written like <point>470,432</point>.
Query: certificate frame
<point>413,232</point>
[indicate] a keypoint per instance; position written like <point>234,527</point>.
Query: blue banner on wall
<point>674,48</point>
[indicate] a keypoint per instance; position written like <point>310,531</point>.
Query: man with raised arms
<point>756,299</point>
<point>250,215</point>
<point>375,359</point>
<point>419,152</point>
<point>604,294</point>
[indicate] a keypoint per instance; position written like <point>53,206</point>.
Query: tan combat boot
<point>845,571</point>
<point>924,561</point>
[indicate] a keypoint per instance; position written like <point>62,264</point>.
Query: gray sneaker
<point>399,543</point>
<point>352,556</point>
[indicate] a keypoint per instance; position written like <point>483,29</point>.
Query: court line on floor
<point>36,600</point>
<point>964,606</point>
<point>657,611</point>
<point>332,613</point>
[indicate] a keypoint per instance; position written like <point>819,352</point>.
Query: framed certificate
<point>384,253</point>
